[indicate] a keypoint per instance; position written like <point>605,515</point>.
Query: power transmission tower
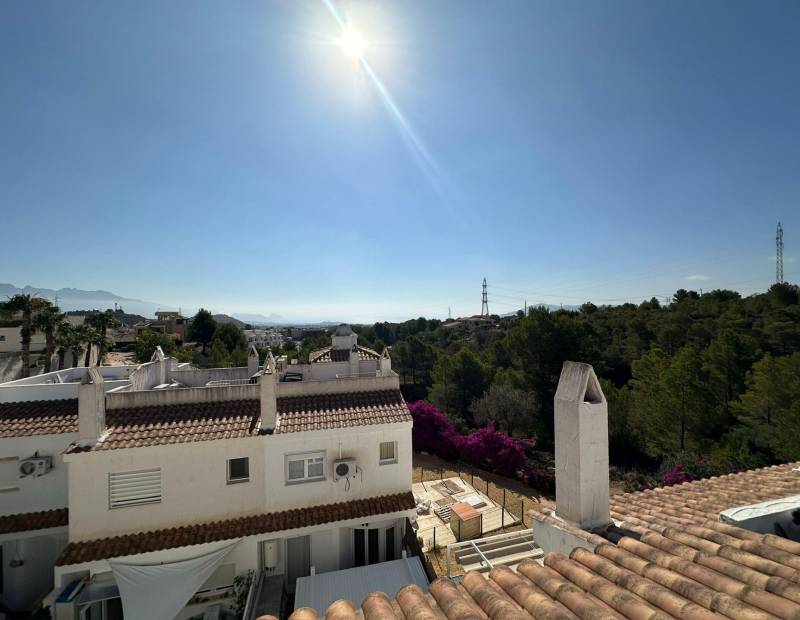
<point>449,314</point>
<point>778,254</point>
<point>484,300</point>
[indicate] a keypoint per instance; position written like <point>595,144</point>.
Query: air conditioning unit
<point>344,468</point>
<point>35,466</point>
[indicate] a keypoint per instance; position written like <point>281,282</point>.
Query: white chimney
<point>581,436</point>
<point>268,383</point>
<point>386,362</point>
<point>91,408</point>
<point>355,356</point>
<point>252,361</point>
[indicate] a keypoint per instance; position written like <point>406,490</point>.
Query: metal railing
<point>253,594</point>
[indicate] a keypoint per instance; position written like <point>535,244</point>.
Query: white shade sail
<point>151,591</point>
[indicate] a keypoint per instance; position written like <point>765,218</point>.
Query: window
<point>305,467</point>
<point>238,470</point>
<point>388,452</point>
<point>2,338</point>
<point>134,488</point>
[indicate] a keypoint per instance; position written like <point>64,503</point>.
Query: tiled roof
<point>670,558</point>
<point>134,427</point>
<point>27,521</point>
<point>324,411</point>
<point>144,542</point>
<point>38,417</point>
<point>329,354</point>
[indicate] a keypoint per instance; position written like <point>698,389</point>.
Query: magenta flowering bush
<point>676,475</point>
<point>433,431</point>
<point>485,447</point>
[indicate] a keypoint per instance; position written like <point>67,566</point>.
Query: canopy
<point>162,590</point>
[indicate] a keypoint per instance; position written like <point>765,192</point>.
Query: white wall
<point>361,443</point>
<point>33,494</point>
<point>193,483</point>
<point>194,486</point>
<point>13,340</point>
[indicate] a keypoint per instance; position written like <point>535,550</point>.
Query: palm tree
<point>49,321</point>
<point>65,341</point>
<point>93,337</point>
<point>101,322</point>
<point>28,306</point>
<point>79,338</point>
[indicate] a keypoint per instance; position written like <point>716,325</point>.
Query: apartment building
<point>263,338</point>
<point>180,480</point>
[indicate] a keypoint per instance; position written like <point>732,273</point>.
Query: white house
<point>174,492</point>
<point>38,420</point>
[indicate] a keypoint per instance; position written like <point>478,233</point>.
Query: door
<point>374,546</point>
<point>298,559</point>
<point>360,548</point>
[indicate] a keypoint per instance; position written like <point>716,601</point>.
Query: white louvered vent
<point>132,488</point>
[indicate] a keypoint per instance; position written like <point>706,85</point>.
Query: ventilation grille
<point>133,488</point>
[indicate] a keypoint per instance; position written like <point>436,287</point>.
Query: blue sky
<point>231,155</point>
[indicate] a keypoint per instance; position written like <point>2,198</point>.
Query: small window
<point>2,338</point>
<point>305,467</point>
<point>388,452</point>
<point>238,470</point>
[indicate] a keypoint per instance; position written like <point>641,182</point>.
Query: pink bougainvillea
<point>676,475</point>
<point>484,447</point>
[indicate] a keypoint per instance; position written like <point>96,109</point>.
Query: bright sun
<point>353,43</point>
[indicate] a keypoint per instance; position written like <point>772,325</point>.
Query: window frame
<point>229,479</point>
<point>389,461</point>
<point>305,457</point>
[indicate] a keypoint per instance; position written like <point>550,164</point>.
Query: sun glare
<point>353,43</point>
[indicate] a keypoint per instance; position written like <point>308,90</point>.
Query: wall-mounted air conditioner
<point>344,469</point>
<point>35,466</point>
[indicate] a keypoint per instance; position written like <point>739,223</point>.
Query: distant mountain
<point>78,299</point>
<point>260,319</point>
<point>224,318</point>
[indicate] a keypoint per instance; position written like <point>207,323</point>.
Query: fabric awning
<point>162,590</point>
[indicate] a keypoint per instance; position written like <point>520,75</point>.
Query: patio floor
<point>443,493</point>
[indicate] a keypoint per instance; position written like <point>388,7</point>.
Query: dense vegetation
<point>706,384</point>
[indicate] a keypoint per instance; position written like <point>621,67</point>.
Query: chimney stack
<point>91,408</point>
<point>386,362</point>
<point>355,355</point>
<point>252,361</point>
<point>268,383</point>
<point>581,437</point>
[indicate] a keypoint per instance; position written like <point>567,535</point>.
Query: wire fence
<point>510,507</point>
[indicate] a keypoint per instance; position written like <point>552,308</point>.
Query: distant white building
<point>178,479</point>
<point>263,338</point>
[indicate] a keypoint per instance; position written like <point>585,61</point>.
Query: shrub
<point>485,447</point>
<point>433,431</point>
<point>676,475</point>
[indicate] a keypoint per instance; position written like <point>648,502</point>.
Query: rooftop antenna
<point>484,300</point>
<point>779,254</point>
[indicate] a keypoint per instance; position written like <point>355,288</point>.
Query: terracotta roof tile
<point>329,354</point>
<point>325,411</point>
<point>27,521</point>
<point>143,542</point>
<point>672,559</point>
<point>38,417</point>
<point>135,427</point>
